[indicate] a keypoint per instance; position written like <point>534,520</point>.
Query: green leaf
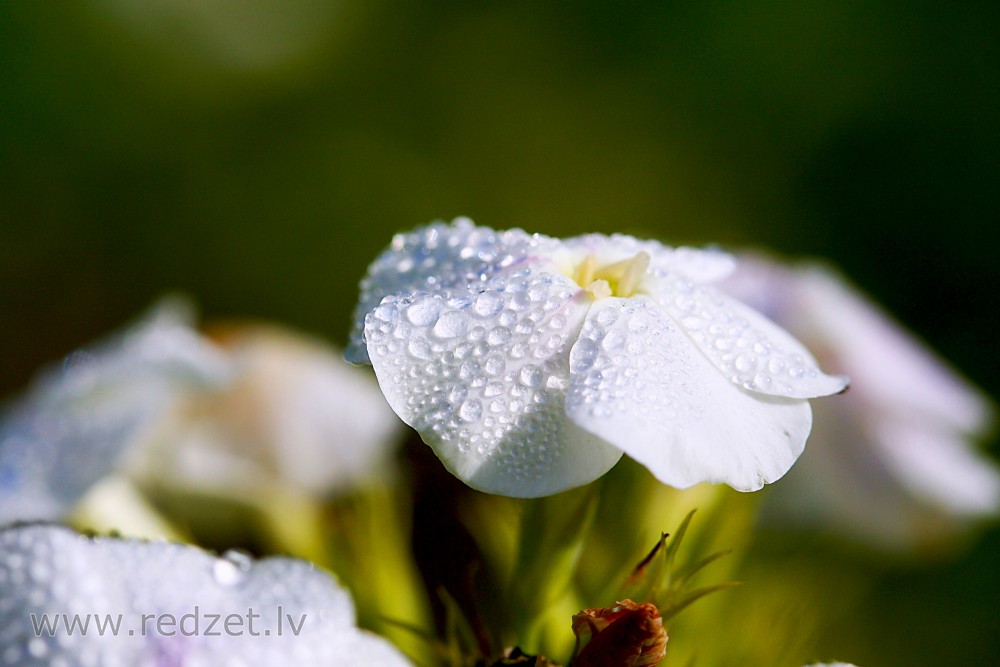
<point>672,608</point>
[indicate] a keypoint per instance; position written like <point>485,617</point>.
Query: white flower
<point>264,410</point>
<point>891,461</point>
<point>295,415</point>
<point>530,364</point>
<point>169,604</point>
<point>78,419</point>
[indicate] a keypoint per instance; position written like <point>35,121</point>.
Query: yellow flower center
<point>619,279</point>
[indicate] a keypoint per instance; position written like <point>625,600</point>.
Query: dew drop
<point>520,301</point>
<point>231,568</point>
<point>615,340</point>
<point>583,355</point>
<point>423,312</point>
<point>531,376</point>
<point>420,348</point>
<point>471,410</point>
<point>745,363</point>
<point>499,336</point>
<point>607,317</point>
<point>538,292</point>
<point>488,304</point>
<point>468,370</point>
<point>386,312</point>
<point>638,324</point>
<point>457,394</point>
<point>451,324</point>
<point>495,365</point>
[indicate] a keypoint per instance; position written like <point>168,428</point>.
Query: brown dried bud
<point>630,634</point>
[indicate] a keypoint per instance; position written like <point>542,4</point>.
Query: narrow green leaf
<point>673,608</point>
<point>684,574</point>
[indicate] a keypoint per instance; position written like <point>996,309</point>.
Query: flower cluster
<point>531,365</point>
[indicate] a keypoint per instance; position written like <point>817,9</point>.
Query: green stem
<point>552,534</point>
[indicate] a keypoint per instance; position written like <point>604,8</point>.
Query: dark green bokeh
<point>258,155</point>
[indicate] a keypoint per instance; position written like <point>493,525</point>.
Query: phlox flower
<point>892,462</point>
<point>531,364</point>
<point>294,416</point>
<point>169,604</point>
<point>78,418</point>
<point>254,411</point>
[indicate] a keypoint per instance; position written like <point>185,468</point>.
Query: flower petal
<point>695,264</point>
<point>145,589</point>
<point>75,421</point>
<point>938,466</point>
<point>892,462</point>
<point>886,363</point>
<point>749,349</point>
<point>641,384</point>
<point>482,377</point>
<point>438,257</point>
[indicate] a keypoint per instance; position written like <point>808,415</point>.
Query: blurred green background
<point>257,155</point>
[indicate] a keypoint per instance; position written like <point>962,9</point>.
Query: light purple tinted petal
<point>640,383</point>
<point>891,462</point>
<point>52,570</point>
<point>482,377</point>
<point>939,467</point>
<point>858,477</point>
<point>886,363</point>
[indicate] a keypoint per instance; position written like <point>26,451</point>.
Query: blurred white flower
<point>169,604</point>
<point>892,461</point>
<point>531,364</point>
<point>165,405</point>
<point>295,415</point>
<point>78,418</point>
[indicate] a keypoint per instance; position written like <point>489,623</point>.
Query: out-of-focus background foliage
<point>257,155</point>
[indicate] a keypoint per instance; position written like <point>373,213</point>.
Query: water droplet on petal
<point>451,324</point>
<point>583,355</point>
<point>495,365</point>
<point>745,363</point>
<point>423,312</point>
<point>420,348</point>
<point>231,568</point>
<point>499,336</point>
<point>531,376</point>
<point>488,304</point>
<point>471,411</point>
